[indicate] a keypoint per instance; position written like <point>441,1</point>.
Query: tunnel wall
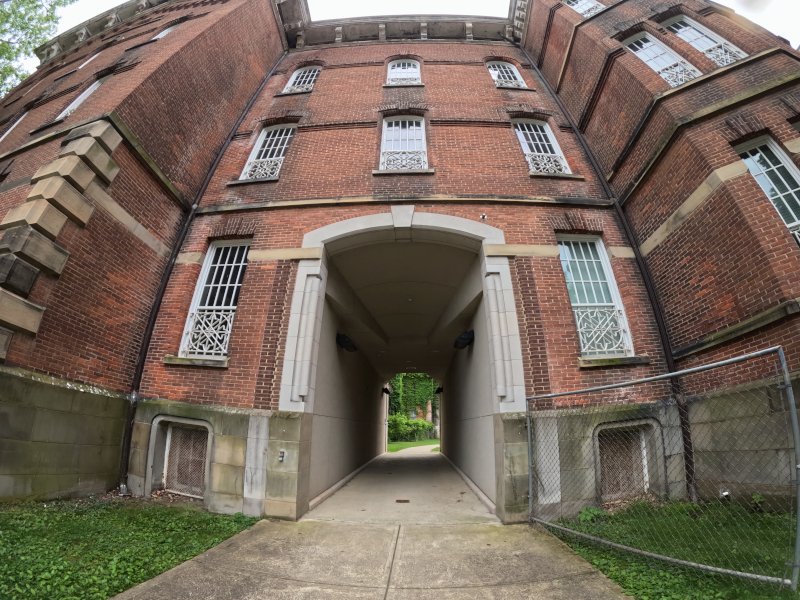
<point>348,422</point>
<point>468,415</point>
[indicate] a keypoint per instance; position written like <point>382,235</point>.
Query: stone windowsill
<point>403,85</point>
<point>141,44</point>
<point>47,126</point>
<point>512,87</point>
<point>557,176</point>
<point>619,361</point>
<point>215,363</point>
<point>246,181</point>
<point>405,172</point>
<point>294,93</point>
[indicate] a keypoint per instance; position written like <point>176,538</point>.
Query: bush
<point>403,429</point>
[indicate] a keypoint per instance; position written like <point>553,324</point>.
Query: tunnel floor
<point>414,485</point>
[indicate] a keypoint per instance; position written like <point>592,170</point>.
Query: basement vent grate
<point>623,462</point>
<point>185,471</point>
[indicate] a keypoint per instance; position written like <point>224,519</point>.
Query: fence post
<point>787,386</point>
<point>529,425</point>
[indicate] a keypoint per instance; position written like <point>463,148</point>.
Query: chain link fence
<point>696,468</point>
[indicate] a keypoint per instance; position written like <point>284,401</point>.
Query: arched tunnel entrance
<point>391,293</point>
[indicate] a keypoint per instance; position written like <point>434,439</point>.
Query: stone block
<point>97,459</point>
<point>140,437</point>
<point>95,155</point>
<point>15,486</point>
<point>39,214</point>
<point>71,168</point>
<point>54,458</point>
<point>224,503</point>
<point>226,479</point>
<point>96,405</point>
<point>54,485</point>
<point>16,274</point>
<point>291,457</point>
<point>282,486</point>
<point>229,450</point>
<point>16,456</point>
<point>37,249</point>
<point>57,427</point>
<point>281,509</point>
<point>18,314</point>
<point>60,193</point>
<point>285,426</point>
<point>102,131</point>
<point>5,342</point>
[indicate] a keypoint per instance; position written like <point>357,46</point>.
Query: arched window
<point>403,72</point>
<point>403,145</point>
<point>505,74</point>
<point>302,80</point>
<point>672,68</point>
<point>266,159</point>
<point>540,147</point>
<point>715,47</point>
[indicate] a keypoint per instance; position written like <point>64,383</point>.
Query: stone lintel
<point>35,247</point>
<point>39,214</point>
<point>18,314</point>
<point>60,193</point>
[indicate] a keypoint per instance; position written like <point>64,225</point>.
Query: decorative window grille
<point>596,304</point>
<point>540,147</point>
<point>185,468</point>
<point>208,326</point>
<point>164,32</point>
<point>403,147</point>
<point>778,178</point>
<point>266,159</point>
<point>505,75</point>
<point>90,59</point>
<point>12,126</point>
<point>73,106</point>
<point>302,80</point>
<point>713,46</point>
<point>585,7</point>
<point>403,72</point>
<point>671,67</point>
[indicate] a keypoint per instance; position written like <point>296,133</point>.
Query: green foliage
<point>411,391</point>
<point>95,549</point>
<point>24,25</point>
<point>590,514</point>
<point>395,446</point>
<point>403,429</point>
<point>757,502</point>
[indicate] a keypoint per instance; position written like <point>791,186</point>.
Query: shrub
<point>403,429</point>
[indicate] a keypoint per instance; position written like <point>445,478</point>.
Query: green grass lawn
<point>395,446</point>
<point>92,549</point>
<point>722,535</point>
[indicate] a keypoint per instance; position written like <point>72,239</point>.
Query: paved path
<point>343,552</point>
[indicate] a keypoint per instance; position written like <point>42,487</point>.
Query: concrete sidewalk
<point>442,545</point>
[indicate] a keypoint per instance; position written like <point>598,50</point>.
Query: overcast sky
<point>780,16</point>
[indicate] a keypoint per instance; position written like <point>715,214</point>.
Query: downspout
<point>644,271</point>
<point>162,286</point>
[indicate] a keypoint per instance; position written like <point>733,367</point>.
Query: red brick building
<point>225,226</point>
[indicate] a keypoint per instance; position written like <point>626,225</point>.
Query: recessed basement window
<point>185,460</point>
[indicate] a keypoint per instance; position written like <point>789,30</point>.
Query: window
<point>302,80</point>
<point>403,147</point>
<point>713,46</point>
<point>505,74</point>
<point>778,178</point>
<point>403,72</point>
<point>540,147</point>
<point>671,67</point>
<point>14,123</point>
<point>88,60</point>
<point>185,460</point>
<point>596,304</point>
<point>164,32</point>
<point>585,7</point>
<point>73,106</point>
<point>266,159</point>
<point>208,326</point>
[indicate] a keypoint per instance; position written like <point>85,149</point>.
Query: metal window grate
<point>779,181</point>
<point>403,146</point>
<point>208,327</point>
<point>672,68</point>
<point>267,158</point>
<point>403,72</point>
<point>302,80</point>
<point>623,463</point>
<point>587,8</point>
<point>505,75</point>
<point>601,323</point>
<point>185,469</point>
<point>717,49</point>
<point>541,151</point>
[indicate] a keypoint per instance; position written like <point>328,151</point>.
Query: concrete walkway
<point>376,549</point>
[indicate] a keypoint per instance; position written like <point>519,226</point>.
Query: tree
<point>24,25</point>
<point>411,391</point>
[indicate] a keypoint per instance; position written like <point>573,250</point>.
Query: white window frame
<point>261,167</point>
<point>514,81</point>
<point>793,171</point>
<point>16,122</point>
<point>541,163</point>
<point>81,98</point>
<point>90,59</point>
<point>582,311</point>
<point>403,158</point>
<point>195,310</point>
<point>302,80</point>
<point>164,32</point>
<point>586,8</point>
<point>399,75</point>
<point>678,70</point>
<point>721,51</point>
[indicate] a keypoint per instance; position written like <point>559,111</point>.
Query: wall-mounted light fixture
<point>464,340</point>
<point>386,391</point>
<point>345,343</point>
<point>439,390</point>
